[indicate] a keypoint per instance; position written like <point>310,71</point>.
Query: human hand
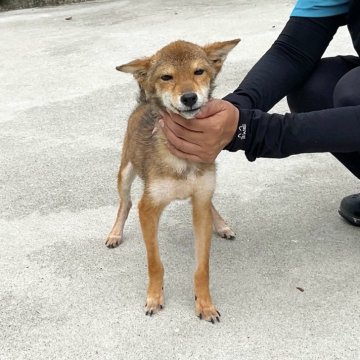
<point>201,139</point>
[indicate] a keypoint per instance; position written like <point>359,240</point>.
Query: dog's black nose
<point>189,99</point>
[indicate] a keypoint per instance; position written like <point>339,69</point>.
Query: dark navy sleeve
<point>283,67</point>
<point>279,136</point>
<point>287,63</point>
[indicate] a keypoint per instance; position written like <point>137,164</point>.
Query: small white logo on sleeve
<point>242,132</point>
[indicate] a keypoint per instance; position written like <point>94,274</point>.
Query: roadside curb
<point>6,5</point>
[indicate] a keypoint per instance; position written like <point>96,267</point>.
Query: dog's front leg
<point>149,214</point>
<point>202,222</point>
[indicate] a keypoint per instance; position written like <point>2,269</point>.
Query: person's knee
<point>304,98</point>
<point>345,92</point>
<point>294,101</point>
<point>316,93</point>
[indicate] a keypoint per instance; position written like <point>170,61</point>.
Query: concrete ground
<point>64,295</point>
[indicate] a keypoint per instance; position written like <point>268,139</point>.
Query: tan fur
<point>178,78</point>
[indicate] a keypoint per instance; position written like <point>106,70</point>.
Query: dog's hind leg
<point>125,178</point>
<point>149,213</point>
<point>220,226</point>
<point>202,222</point>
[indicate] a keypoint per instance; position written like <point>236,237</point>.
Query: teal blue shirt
<point>320,8</point>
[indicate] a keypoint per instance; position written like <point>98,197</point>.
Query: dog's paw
<point>206,311</point>
<point>154,304</point>
<point>113,241</point>
<point>226,233</point>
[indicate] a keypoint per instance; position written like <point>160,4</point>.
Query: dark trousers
<point>334,83</point>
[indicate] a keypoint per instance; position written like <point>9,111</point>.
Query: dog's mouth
<point>186,113</point>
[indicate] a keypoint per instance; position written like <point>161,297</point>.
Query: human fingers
<point>183,155</point>
<point>176,137</point>
<point>168,125</point>
<point>211,108</point>
<point>174,118</point>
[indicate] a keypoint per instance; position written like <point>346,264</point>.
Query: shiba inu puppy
<point>178,78</point>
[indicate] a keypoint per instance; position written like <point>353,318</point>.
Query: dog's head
<point>180,76</point>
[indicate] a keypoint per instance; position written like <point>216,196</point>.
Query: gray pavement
<point>64,295</point>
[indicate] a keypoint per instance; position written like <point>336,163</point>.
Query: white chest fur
<point>168,189</point>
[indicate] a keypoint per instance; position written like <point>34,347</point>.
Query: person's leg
<point>345,95</point>
<point>317,92</point>
<point>346,90</point>
<point>332,84</point>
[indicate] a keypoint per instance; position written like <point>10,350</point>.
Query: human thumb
<point>211,108</point>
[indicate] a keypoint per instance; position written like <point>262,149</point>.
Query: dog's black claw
<point>218,313</point>
<point>147,312</point>
<point>161,307</point>
<point>212,321</point>
<point>217,318</point>
<point>200,316</point>
<point>195,297</point>
<point>151,313</point>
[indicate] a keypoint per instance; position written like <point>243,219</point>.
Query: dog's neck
<point>142,96</point>
<point>154,102</point>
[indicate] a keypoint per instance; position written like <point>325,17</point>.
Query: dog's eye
<point>166,77</point>
<point>198,71</point>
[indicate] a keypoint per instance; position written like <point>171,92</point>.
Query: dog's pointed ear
<point>139,68</point>
<point>218,51</point>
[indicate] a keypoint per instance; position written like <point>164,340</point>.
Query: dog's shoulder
<point>143,118</point>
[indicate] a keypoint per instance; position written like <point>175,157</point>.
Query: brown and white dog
<point>178,78</point>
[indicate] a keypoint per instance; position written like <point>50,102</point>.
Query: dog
<point>178,78</point>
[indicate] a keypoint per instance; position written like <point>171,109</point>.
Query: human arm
<point>283,67</point>
<point>201,139</point>
<point>265,135</point>
<point>287,63</point>
<point>279,136</point>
